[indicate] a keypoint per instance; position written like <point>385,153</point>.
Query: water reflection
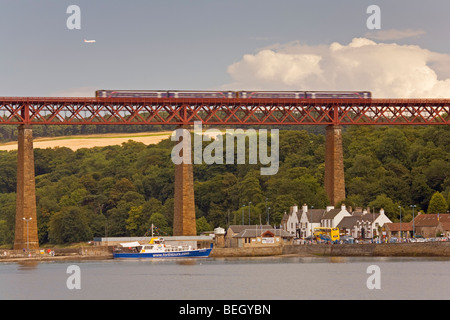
<point>27,265</point>
<point>187,262</point>
<point>338,259</point>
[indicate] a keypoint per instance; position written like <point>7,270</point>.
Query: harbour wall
<point>429,249</point>
<point>246,252</point>
<point>88,253</point>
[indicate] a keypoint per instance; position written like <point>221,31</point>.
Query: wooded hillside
<point>122,190</point>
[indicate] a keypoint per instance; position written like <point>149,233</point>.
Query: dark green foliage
<point>122,190</point>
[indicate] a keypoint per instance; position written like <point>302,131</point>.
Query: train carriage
<point>180,94</point>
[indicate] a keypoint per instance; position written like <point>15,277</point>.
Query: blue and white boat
<point>156,248</point>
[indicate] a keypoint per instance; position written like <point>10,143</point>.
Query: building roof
<point>237,228</point>
<point>350,222</point>
<point>446,226</point>
<point>395,226</point>
<point>316,214</point>
<point>431,219</point>
<point>257,232</point>
<point>331,214</point>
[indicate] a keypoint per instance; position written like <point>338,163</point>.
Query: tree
<point>134,221</point>
<point>160,224</point>
<point>69,225</point>
<point>436,172</point>
<point>202,225</point>
<point>437,204</point>
<point>390,208</point>
<point>393,146</point>
<point>281,205</point>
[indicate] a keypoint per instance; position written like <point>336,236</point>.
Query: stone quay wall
<point>427,249</point>
<point>430,249</point>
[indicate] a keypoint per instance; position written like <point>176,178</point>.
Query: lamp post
<point>400,207</point>
<point>310,222</point>
<point>413,206</point>
<point>27,220</point>
<point>268,216</point>
<point>249,205</point>
<point>243,207</point>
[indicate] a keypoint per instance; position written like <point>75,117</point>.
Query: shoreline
<point>435,249</point>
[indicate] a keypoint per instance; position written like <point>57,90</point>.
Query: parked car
<point>348,239</point>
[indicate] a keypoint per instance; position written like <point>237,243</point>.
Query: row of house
<point>360,223</point>
<point>425,225</point>
<point>301,223</point>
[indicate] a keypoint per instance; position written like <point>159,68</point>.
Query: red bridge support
<point>334,165</point>
<point>26,233</point>
<point>184,223</point>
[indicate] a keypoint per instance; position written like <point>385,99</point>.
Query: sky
<point>225,45</point>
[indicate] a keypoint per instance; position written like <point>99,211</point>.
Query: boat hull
<point>200,253</point>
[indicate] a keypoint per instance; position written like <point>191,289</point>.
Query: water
<point>269,278</point>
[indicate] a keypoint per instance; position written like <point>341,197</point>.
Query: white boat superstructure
<point>157,248</point>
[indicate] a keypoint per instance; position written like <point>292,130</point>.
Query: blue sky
<point>191,44</point>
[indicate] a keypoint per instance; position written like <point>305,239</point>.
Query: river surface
<point>268,278</point>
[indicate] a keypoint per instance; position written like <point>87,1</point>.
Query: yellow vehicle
<point>327,234</point>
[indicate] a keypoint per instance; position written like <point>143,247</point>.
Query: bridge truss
<point>140,111</point>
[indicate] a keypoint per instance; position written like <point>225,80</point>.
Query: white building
<point>333,216</point>
<point>360,223</point>
<point>302,223</point>
<point>309,219</point>
<point>290,221</point>
<point>363,224</point>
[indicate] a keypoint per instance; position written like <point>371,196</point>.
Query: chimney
<point>305,208</point>
<point>330,208</point>
<point>381,211</point>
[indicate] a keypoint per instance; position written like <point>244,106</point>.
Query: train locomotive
<point>233,94</point>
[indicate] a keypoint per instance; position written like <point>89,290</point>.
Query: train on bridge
<point>233,94</point>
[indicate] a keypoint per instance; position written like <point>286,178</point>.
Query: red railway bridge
<point>333,113</point>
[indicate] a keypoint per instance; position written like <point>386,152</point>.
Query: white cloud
<point>388,70</point>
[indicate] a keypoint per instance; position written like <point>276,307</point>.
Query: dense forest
<point>122,190</point>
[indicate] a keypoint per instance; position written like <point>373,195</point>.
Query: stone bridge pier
<point>334,165</point>
<point>26,232</point>
<point>184,223</point>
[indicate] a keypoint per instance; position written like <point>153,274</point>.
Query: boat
<point>156,248</point>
